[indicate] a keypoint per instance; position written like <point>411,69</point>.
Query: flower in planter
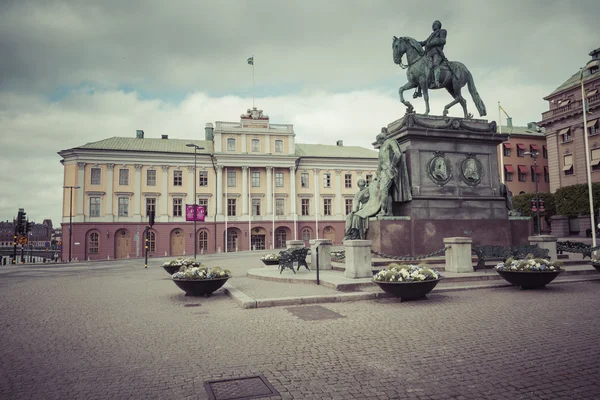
<point>338,255</point>
<point>180,262</point>
<point>529,264</point>
<point>201,272</point>
<point>407,273</point>
<point>270,257</point>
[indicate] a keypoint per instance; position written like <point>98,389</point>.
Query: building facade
<point>259,188</point>
<point>563,123</point>
<point>38,234</point>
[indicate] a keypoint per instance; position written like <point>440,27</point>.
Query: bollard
<point>44,260</point>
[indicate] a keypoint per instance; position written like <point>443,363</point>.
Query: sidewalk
<point>267,287</point>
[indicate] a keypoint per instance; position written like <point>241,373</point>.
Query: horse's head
<point>398,47</point>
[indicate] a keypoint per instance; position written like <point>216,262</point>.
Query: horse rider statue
<point>434,48</point>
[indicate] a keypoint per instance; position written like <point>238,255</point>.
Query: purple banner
<point>189,212</point>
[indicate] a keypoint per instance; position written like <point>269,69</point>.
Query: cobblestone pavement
<point>119,331</point>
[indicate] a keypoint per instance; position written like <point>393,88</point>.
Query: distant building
<point>38,235</point>
<point>563,123</point>
<point>258,186</point>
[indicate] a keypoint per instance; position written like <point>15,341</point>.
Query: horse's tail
<point>475,95</point>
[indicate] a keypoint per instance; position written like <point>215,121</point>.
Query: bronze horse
<point>453,76</point>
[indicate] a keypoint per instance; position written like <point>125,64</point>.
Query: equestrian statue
<point>428,68</point>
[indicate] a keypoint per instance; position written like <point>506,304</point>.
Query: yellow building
<point>258,186</point>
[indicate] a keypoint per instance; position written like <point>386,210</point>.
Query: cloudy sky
<point>78,71</point>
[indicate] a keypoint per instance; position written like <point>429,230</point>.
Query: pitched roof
<point>572,81</point>
<point>522,130</point>
<point>179,146</point>
<point>323,150</point>
<point>149,144</point>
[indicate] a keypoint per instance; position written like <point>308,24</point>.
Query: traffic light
<point>27,227</point>
<point>151,215</point>
<point>21,218</point>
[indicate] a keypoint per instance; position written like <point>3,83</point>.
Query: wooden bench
<point>287,258</point>
<point>491,252</point>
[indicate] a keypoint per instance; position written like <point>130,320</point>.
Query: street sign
<point>22,240</point>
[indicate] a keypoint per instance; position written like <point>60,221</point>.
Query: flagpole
<point>316,206</point>
<point>226,208</point>
<point>273,205</point>
<point>253,86</point>
<point>587,156</point>
<point>501,146</point>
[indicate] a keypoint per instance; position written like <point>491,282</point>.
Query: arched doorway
<point>258,238</point>
<point>280,238</point>
<point>92,244</point>
<point>232,240</point>
<point>203,241</point>
<point>122,243</point>
<point>177,242</point>
<point>329,233</point>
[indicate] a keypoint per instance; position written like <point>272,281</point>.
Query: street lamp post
<point>71,217</point>
<point>196,148</point>
<point>587,153</point>
<point>534,155</point>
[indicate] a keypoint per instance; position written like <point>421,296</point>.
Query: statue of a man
<point>434,48</point>
<point>392,174</point>
<point>356,225</point>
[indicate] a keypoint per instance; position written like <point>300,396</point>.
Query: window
<point>150,205</point>
<point>255,206</point>
<point>178,178</point>
<point>94,243</point>
<point>326,180</point>
<point>508,177</point>
<point>231,178</point>
<point>231,209</point>
<point>305,206</point>
<point>151,177</point>
<point>546,175</point>
<point>305,234</point>
<point>94,206</point>
<point>520,150</point>
<point>280,238</point>
<point>326,206</point>
<point>278,179</point>
<point>279,146</point>
<point>595,160</point>
<point>522,173</point>
<point>507,149</point>
<point>368,179</point>
<point>123,177</point>
<point>203,240</point>
<point>348,181</point>
<point>255,179</point>
<point>151,241</point>
<point>203,178</point>
<point>231,144</point>
<point>177,207</point>
<point>304,179</point>
<point>593,127</point>
<point>565,135</point>
<point>204,203</point>
<point>568,164</point>
<point>545,151</point>
<point>255,145</point>
<point>123,206</point>
<point>96,175</point>
<point>534,174</point>
<point>279,206</point>
<point>349,204</point>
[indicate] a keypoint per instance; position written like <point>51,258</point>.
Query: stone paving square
<point>114,330</point>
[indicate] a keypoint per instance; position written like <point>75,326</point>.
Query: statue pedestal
<point>324,246</point>
<point>455,184</point>
<point>358,259</point>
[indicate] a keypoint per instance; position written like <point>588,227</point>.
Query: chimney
<point>208,132</point>
<point>165,136</point>
<point>509,122</point>
<point>532,125</point>
<point>139,134</point>
<point>595,54</point>
<point>340,143</point>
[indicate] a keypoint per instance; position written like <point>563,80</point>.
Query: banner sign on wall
<point>189,212</point>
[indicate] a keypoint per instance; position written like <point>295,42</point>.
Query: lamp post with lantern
<point>196,148</point>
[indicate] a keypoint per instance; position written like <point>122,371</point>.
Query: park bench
<point>574,247</point>
<point>493,252</point>
<point>288,257</point>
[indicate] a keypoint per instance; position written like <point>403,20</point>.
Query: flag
<point>251,60</point>
<point>505,113</point>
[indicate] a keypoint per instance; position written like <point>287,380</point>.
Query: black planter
<point>596,265</point>
<point>408,290</point>
<point>171,269</point>
<point>199,287</point>
<point>528,280</point>
<point>270,262</point>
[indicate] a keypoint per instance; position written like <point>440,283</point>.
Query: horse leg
<point>463,103</point>
<point>407,86</point>
<point>425,88</point>
<point>453,102</point>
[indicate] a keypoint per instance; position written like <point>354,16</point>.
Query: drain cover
<point>192,305</point>
<point>249,387</point>
<point>313,313</point>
